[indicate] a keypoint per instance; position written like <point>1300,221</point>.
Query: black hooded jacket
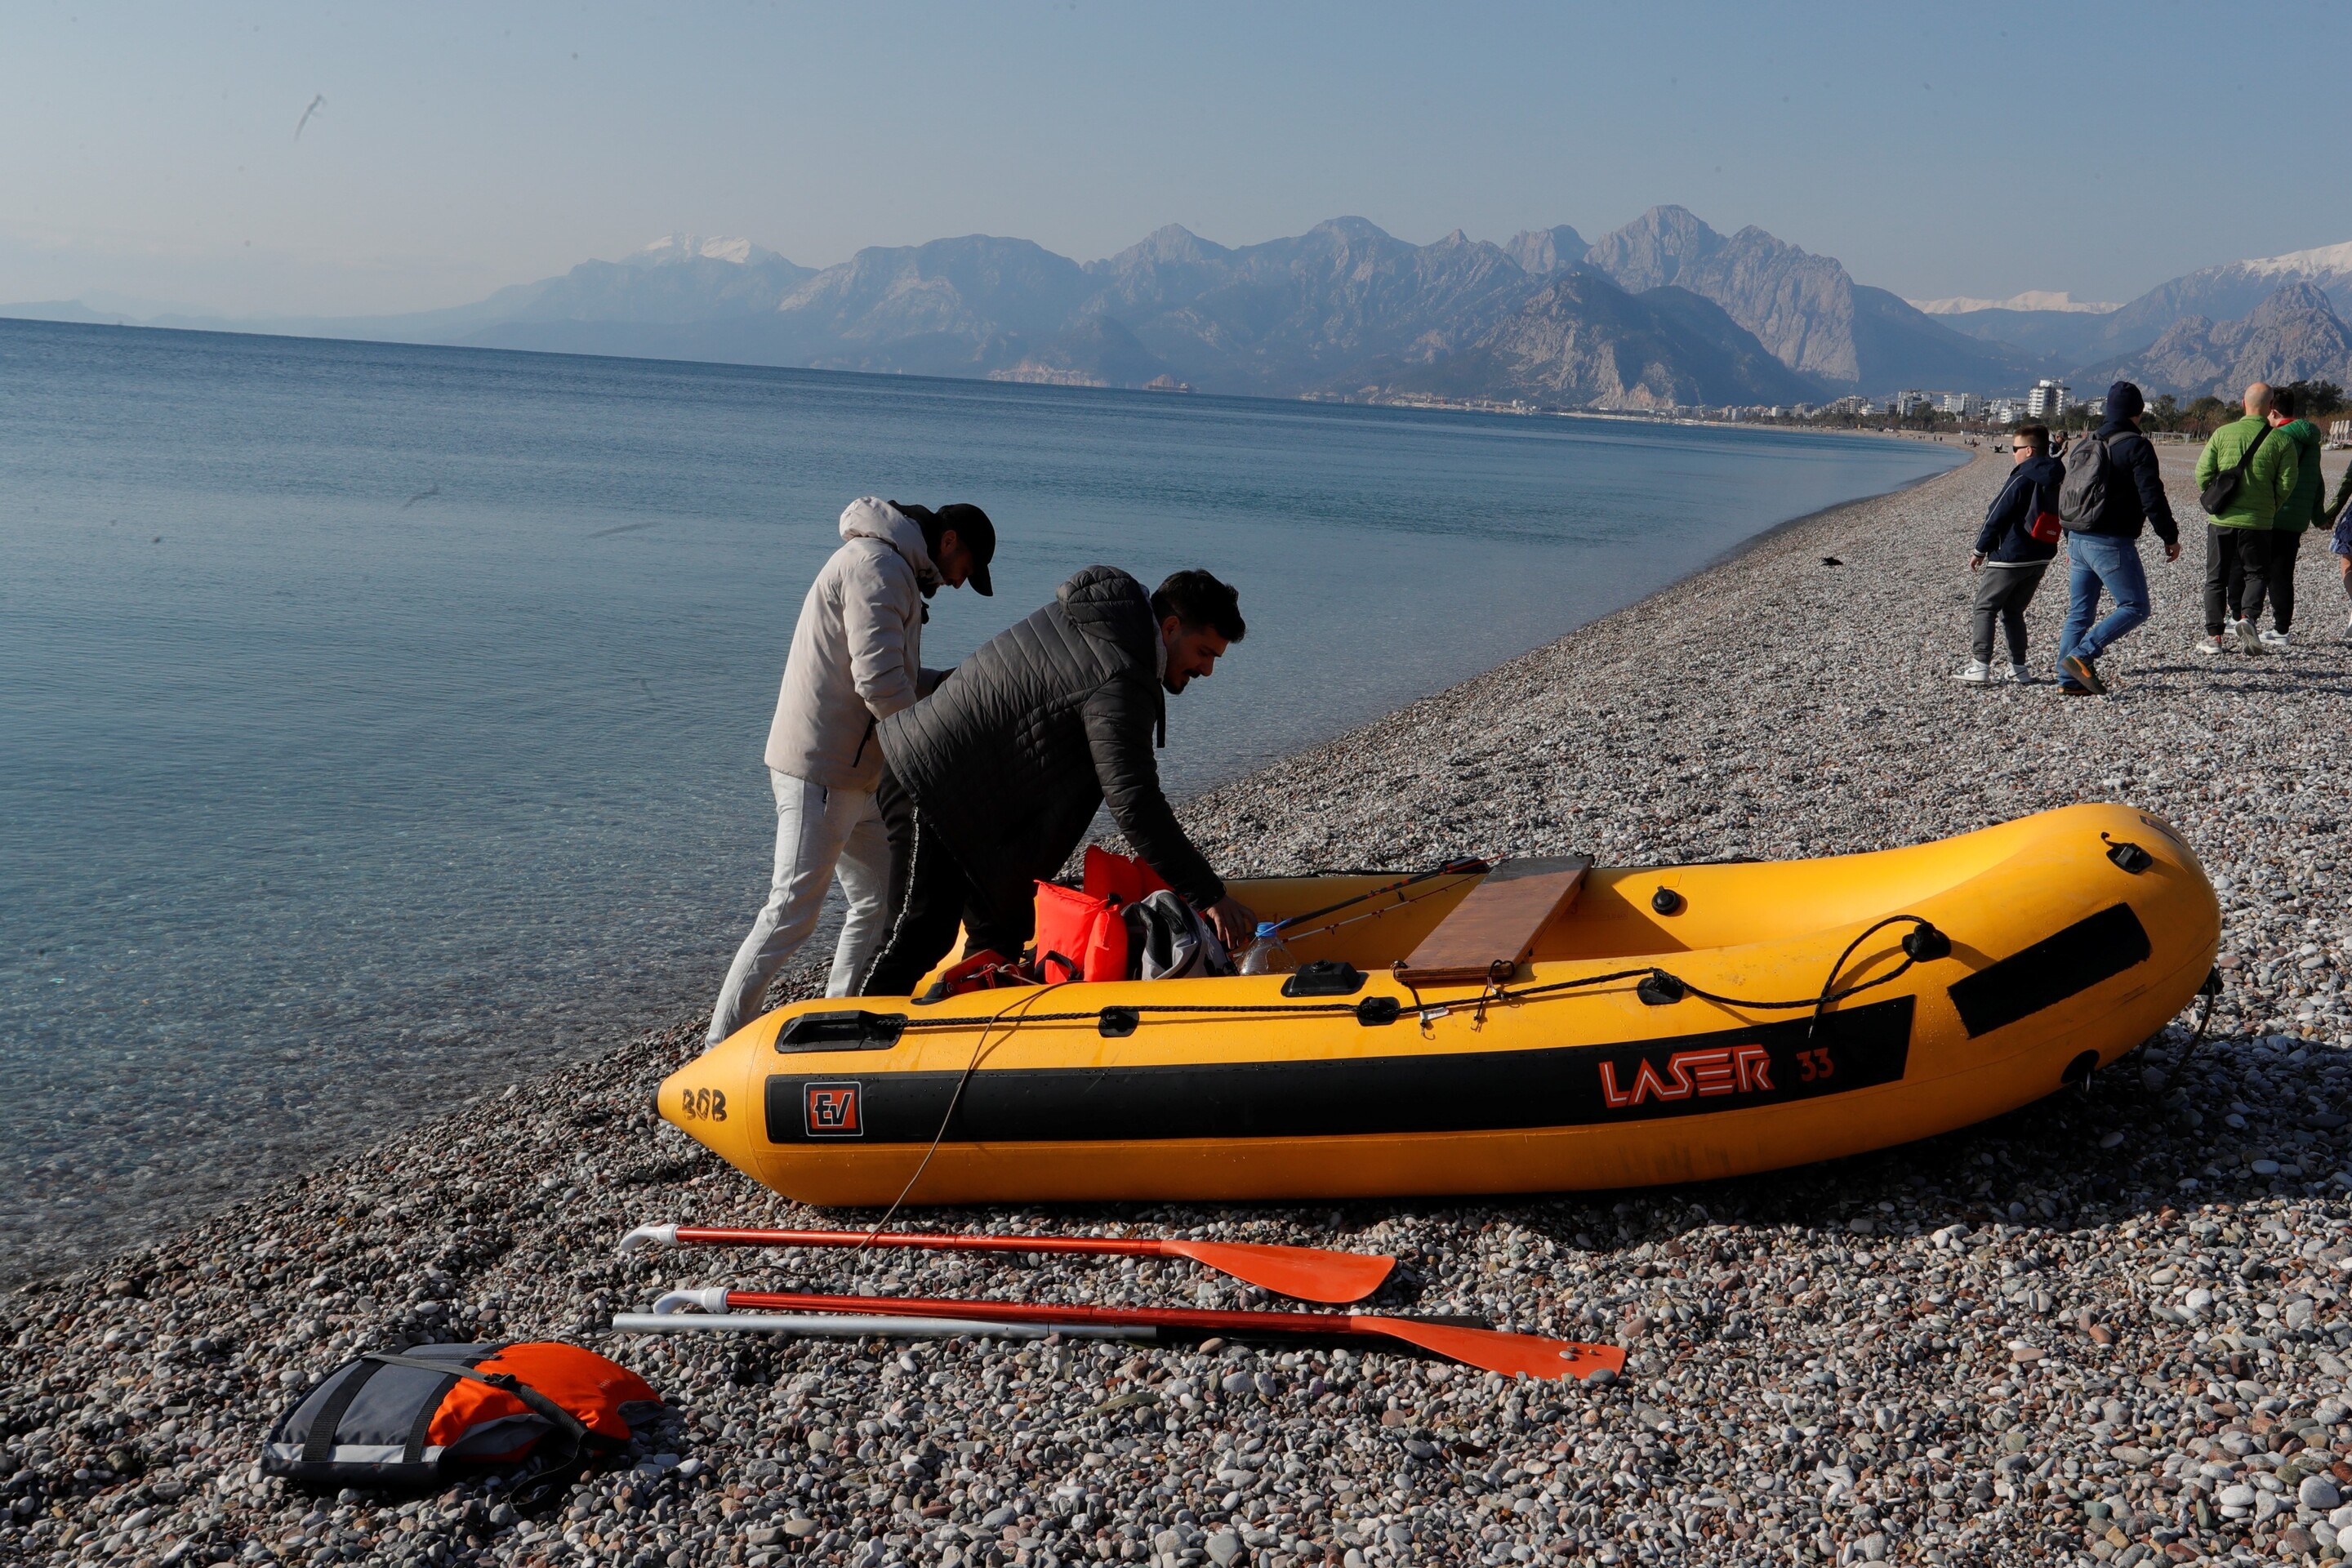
<point>2135,481</point>
<point>1008,759</point>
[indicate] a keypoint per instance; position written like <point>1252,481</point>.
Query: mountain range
<point>2227,292</point>
<point>1665,310</point>
<point>2293,334</point>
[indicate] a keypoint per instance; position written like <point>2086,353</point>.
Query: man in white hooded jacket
<point>856,659</point>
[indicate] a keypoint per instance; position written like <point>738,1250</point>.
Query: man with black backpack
<point>2243,477</point>
<point>2111,490</point>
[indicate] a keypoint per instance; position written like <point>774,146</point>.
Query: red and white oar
<point>1304,1273</point>
<point>1486,1349</point>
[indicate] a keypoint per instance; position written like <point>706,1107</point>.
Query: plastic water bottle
<point>1266,955</point>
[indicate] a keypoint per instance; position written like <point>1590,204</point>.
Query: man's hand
<point>1976,559</point>
<point>2172,551</point>
<point>1234,922</point>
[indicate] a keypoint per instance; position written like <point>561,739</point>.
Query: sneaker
<point>2212,644</point>
<point>2246,637</point>
<point>2068,689</point>
<point>2022,674</point>
<point>2274,639</point>
<point>1976,673</point>
<point>2084,674</point>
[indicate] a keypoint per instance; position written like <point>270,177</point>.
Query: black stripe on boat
<point>1575,1086</point>
<point>2051,970</point>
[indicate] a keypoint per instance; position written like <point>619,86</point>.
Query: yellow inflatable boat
<point>1539,1026</point>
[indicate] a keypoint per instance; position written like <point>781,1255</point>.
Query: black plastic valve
<point>1660,989</point>
<point>1926,943</point>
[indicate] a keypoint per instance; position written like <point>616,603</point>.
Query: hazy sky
<point>148,153</point>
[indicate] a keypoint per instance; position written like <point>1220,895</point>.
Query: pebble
<point>2109,1326</point>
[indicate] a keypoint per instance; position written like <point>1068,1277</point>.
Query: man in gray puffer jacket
<point>856,659</point>
<point>989,784</point>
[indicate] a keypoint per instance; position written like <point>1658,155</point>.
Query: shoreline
<point>1820,1362</point>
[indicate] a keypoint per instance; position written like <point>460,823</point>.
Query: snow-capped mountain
<point>678,248</point>
<point>2229,292</point>
<point>2031,299</point>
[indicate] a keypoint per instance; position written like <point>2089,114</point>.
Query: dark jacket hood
<point>1105,602</point>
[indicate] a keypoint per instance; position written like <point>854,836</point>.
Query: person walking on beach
<point>2244,477</point>
<point>2011,555</point>
<point>2339,513</point>
<point>2295,517</point>
<point>989,783</point>
<point>2113,488</point>
<point>856,660</point>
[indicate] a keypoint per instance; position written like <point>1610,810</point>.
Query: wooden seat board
<point>1497,921</point>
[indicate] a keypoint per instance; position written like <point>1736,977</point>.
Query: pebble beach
<point>2108,1328</point>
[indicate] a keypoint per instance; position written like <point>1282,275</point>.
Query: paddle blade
<point>1303,1273</point>
<point>1494,1351</point>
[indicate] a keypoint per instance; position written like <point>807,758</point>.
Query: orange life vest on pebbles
<point>386,1420</point>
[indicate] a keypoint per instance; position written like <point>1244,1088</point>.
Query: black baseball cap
<point>978,535</point>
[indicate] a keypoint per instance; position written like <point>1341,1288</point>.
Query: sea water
<point>379,723</point>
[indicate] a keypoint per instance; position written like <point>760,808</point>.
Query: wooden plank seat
<point>1497,923</point>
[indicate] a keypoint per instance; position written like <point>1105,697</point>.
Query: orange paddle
<point>1487,1349</point>
<point>1303,1273</point>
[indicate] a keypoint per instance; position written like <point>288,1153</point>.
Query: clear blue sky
<point>149,151</point>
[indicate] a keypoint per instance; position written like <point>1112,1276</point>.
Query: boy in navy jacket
<point>2008,559</point>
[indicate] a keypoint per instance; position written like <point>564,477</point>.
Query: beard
<point>1174,683</point>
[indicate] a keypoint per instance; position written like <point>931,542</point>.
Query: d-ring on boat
<point>1544,1025</point>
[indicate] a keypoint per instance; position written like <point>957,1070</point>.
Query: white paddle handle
<point>647,1236</point>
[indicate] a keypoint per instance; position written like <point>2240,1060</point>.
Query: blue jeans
<point>2099,561</point>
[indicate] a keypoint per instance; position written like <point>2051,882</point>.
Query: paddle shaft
<point>1024,1312</point>
<point>1487,1349</point>
<point>827,1326</point>
<point>1305,1272</point>
<point>1101,1246</point>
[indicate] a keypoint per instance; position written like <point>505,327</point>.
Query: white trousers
<point>818,832</point>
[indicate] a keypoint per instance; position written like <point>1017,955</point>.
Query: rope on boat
<point>1659,987</point>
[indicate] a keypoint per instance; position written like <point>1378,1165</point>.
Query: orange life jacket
<point>1080,935</point>
<point>1120,876</point>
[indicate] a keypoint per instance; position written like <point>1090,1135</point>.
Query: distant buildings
<point>1962,406</point>
<point>2048,400</point>
<point>1908,403</point>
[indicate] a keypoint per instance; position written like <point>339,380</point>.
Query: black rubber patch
<point>849,1031</point>
<point>1575,1086</point>
<point>2051,970</point>
<point>1325,978</point>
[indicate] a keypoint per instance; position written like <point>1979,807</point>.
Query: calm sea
<point>379,723</point>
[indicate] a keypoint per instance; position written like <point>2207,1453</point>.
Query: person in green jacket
<point>2237,541</point>
<point>2295,517</point>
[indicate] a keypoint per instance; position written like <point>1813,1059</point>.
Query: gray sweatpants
<point>2003,592</point>
<point>821,833</point>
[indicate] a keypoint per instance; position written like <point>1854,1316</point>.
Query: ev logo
<point>831,1110</point>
